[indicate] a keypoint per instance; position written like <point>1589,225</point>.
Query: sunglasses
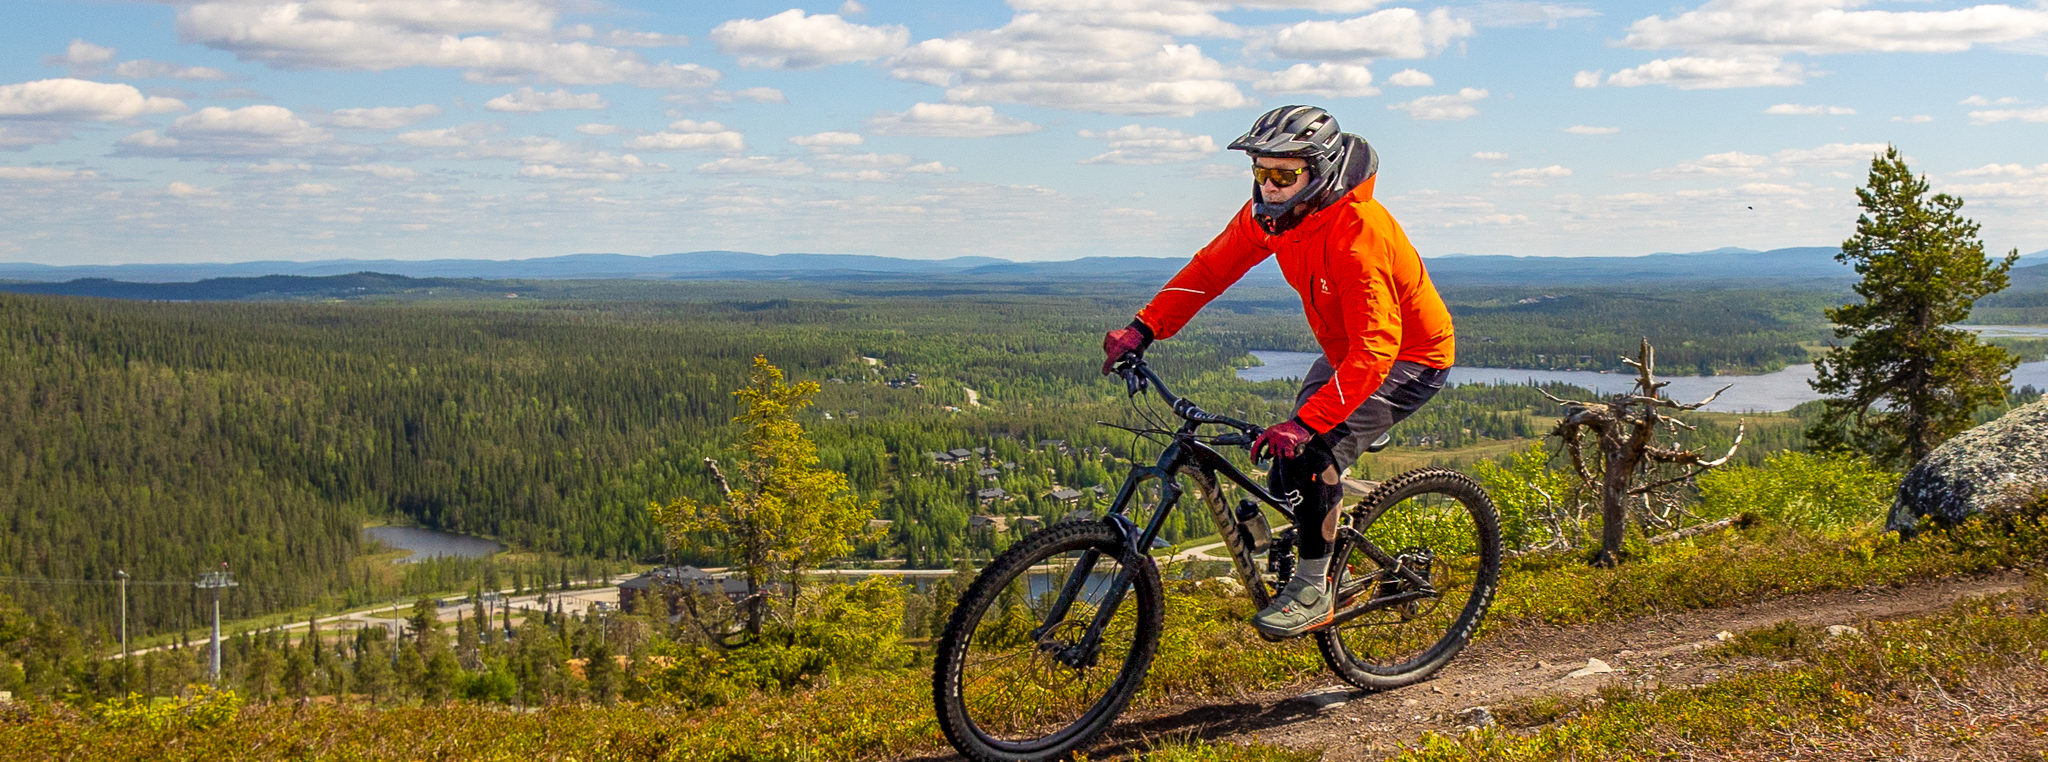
<point>1278,177</point>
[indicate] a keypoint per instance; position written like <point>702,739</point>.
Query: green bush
<point>1528,493</point>
<point>843,630</point>
<point>202,707</point>
<point>1831,493</point>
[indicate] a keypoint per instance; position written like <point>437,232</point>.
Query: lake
<point>427,543</point>
<point>1769,392</point>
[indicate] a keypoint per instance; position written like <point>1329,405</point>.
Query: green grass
<point>1207,651</point>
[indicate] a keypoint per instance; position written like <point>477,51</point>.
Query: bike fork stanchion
<point>1077,578</point>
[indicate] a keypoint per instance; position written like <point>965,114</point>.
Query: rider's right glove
<point>1131,338</point>
<point>1283,439</point>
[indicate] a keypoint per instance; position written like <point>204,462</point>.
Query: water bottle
<point>1251,525</point>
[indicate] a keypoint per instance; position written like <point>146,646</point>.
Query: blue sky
<point>227,130</point>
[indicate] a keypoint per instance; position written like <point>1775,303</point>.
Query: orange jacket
<point>1365,292</point>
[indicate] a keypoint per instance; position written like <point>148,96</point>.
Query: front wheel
<point>1424,562</point>
<point>1043,650</point>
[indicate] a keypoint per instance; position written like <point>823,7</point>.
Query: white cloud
<point>766,166</point>
<point>1725,164</point>
<point>1175,17</point>
<point>948,120</point>
<point>752,94</point>
<point>1532,176</point>
<point>1052,61</point>
<point>1828,26</point>
<point>21,135</point>
<point>1586,79</point>
<point>381,117</point>
<point>631,39</point>
<point>215,131</point>
<point>146,69</point>
<point>262,123</point>
<point>311,189</point>
<point>1138,144</point>
<point>594,128</point>
<point>379,35</point>
<point>385,171</point>
<point>1832,153</point>
<point>691,135</point>
<point>1994,116</point>
<point>1489,155</point>
<point>1444,108</point>
<point>44,174</point>
<point>1914,119</point>
<point>1333,80</point>
<point>793,40</point>
<point>447,137</point>
<point>930,168</point>
<point>1794,109</point>
<point>188,190</point>
<point>1583,129</point>
<point>1392,33</point>
<point>1709,73</point>
<point>527,100</point>
<point>2005,170</point>
<point>827,139</point>
<point>550,159</point>
<point>82,54</point>
<point>80,100</point>
<point>852,8</point>
<point>1979,100</point>
<point>274,166</point>
<point>1411,78</point>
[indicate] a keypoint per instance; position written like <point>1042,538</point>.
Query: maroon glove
<point>1283,439</point>
<point>1131,338</point>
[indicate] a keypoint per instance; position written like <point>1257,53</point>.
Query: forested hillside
<point>162,438</point>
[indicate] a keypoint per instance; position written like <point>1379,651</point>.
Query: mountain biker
<point>1385,333</point>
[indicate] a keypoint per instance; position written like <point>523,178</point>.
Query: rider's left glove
<point>1283,439</point>
<point>1131,338</point>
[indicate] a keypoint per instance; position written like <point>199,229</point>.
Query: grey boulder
<point>1996,469</point>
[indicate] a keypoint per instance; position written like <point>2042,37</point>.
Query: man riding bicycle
<point>1385,333</point>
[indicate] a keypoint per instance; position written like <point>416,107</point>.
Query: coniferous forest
<point>163,439</point>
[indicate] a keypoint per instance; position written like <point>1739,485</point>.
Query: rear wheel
<point>1430,584</point>
<point>1017,680</point>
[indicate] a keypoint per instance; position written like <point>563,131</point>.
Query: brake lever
<point>1132,379</point>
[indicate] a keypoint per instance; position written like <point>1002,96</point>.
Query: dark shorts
<point>1408,386</point>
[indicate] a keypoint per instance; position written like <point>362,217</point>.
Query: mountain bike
<point>1054,637</point>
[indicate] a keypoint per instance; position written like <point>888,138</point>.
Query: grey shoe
<point>1301,606</point>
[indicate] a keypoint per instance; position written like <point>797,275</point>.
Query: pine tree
<point>1908,379</point>
<point>788,515</point>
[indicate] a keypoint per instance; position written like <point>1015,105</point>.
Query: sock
<point>1313,569</point>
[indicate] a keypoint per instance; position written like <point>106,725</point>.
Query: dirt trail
<point>1325,714</point>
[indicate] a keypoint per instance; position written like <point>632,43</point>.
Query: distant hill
<point>722,264</point>
<point>267,287</point>
<point>1812,266</point>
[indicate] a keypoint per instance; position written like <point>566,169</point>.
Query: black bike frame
<point>1186,451</point>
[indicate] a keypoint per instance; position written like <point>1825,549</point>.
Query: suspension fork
<point>1136,543</point>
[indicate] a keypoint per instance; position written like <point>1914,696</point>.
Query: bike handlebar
<point>1137,376</point>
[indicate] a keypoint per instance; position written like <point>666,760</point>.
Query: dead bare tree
<point>1624,430</point>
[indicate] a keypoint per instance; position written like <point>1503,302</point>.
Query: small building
<point>880,525</point>
<point>1064,495</point>
<point>1053,444</point>
<point>994,523</point>
<point>959,454</point>
<point>991,495</point>
<point>988,473</point>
